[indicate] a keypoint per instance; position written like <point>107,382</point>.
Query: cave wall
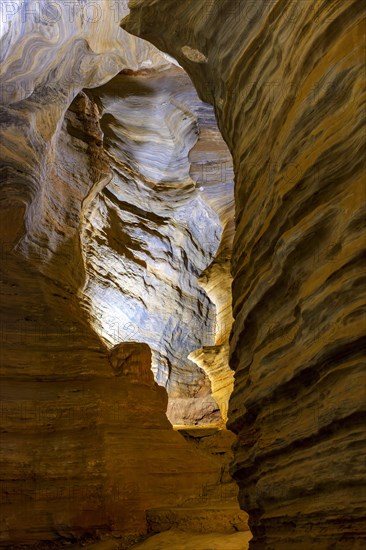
<point>285,79</point>
<point>80,420</point>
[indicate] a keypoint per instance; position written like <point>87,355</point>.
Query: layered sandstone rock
<point>216,510</point>
<point>178,540</point>
<point>286,82</point>
<point>91,429</point>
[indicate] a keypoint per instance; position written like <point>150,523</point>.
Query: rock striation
<point>148,154</point>
<point>285,79</point>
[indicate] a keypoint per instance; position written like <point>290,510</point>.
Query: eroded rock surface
<point>156,226</point>
<point>286,82</point>
<point>82,417</point>
<point>216,510</point>
<point>176,540</point>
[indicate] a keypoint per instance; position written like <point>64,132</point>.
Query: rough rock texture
<point>216,510</point>
<point>217,443</point>
<point>286,81</point>
<point>176,540</point>
<point>91,431</point>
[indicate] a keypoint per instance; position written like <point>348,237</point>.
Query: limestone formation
<point>286,82</point>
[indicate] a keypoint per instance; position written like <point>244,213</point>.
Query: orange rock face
<point>80,424</point>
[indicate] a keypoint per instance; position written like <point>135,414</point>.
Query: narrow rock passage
<point>214,520</point>
<point>122,275</point>
<point>157,238</point>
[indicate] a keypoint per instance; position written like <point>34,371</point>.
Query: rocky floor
<point>175,539</point>
<point>178,540</point>
<point>212,522</point>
